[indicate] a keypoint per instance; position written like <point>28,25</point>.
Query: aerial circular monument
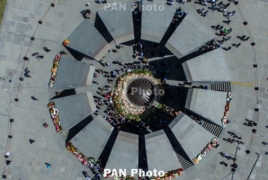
<point>125,103</point>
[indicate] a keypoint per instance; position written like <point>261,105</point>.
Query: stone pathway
<point>19,23</point>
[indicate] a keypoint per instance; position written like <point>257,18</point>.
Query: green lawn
<point>2,9</point>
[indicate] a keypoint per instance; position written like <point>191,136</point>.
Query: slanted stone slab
<point>154,23</point>
<point>188,37</point>
<point>72,73</point>
<point>87,40</point>
<point>125,152</point>
<point>192,137</point>
<point>74,108</point>
<point>118,21</point>
<point>209,67</point>
<point>207,103</point>
<point>160,154</point>
<point>92,139</point>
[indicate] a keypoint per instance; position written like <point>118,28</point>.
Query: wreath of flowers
<point>122,104</point>
<point>54,114</point>
<point>54,70</point>
<point>226,109</point>
<point>80,156</point>
<point>212,144</point>
<point>171,174</point>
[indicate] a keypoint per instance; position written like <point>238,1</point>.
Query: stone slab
<point>209,67</point>
<point>151,29</point>
<point>92,139</point>
<point>208,104</point>
<point>160,154</point>
<point>192,137</point>
<point>188,37</point>
<point>118,21</point>
<point>72,73</point>
<point>125,153</point>
<point>87,40</point>
<point>74,108</point>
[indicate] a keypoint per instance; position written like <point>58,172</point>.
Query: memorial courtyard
<point>88,86</point>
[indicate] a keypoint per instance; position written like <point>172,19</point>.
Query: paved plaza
<point>244,67</point>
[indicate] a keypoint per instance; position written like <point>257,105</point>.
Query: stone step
<point>223,86</point>
<point>213,128</point>
<point>185,163</point>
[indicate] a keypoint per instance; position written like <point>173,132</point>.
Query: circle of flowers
<point>123,105</point>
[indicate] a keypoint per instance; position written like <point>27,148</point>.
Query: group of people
<point>228,157</point>
<point>250,123</point>
<point>209,46</point>
<point>105,102</point>
<point>178,15</point>
<point>220,7</point>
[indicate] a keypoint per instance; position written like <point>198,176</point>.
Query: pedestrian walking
<point>224,163</point>
<point>236,45</point>
<point>35,54</point>
<point>205,13</point>
<point>26,58</point>
<point>48,165</point>
<point>95,82</point>
<point>264,143</point>
<point>229,140</point>
<point>87,176</point>
<point>229,14</point>
<point>199,11</point>
<point>223,154</point>
<point>46,49</point>
<point>26,73</point>
<point>34,98</point>
<point>39,57</point>
<point>245,38</point>
<point>63,53</point>
<point>26,70</point>
<point>226,39</point>
<point>227,22</point>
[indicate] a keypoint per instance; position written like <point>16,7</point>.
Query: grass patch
<point>2,9</point>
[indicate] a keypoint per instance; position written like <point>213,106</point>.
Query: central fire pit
<point>140,91</point>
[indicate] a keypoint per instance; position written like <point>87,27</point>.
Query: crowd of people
<point>209,46</point>
<point>104,102</point>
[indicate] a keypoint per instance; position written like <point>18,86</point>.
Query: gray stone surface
<point>125,153</point>
<point>207,103</point>
<point>118,21</point>
<point>74,108</point>
<point>87,40</point>
<point>28,159</point>
<point>160,154</point>
<point>209,67</point>
<point>188,37</point>
<point>92,139</point>
<point>81,74</point>
<point>151,29</point>
<point>192,137</point>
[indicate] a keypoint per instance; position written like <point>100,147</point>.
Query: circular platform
<point>140,91</point>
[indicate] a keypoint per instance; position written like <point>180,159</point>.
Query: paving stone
<point>22,17</point>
